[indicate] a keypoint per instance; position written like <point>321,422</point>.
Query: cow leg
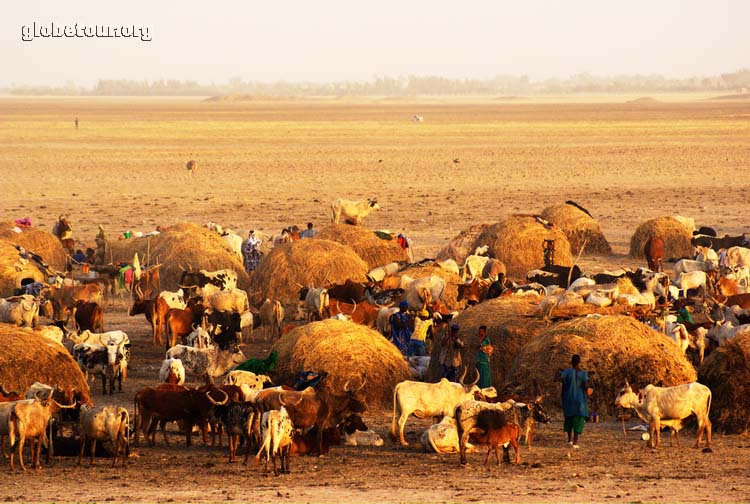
<point>104,384</point>
<point>93,450</point>
<point>401,424</point>
<point>112,385</point>
<point>80,453</point>
<point>506,453</point>
<point>514,443</point>
<point>677,435</point>
<point>164,433</point>
<point>20,453</point>
<point>230,440</point>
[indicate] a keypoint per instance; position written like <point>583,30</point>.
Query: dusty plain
<point>268,164</point>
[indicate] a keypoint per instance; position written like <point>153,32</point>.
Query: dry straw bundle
<point>580,228</point>
<point>13,270</point>
<point>180,247</point>
<point>373,250</point>
<point>26,357</point>
<point>675,235</point>
<point>318,263</point>
<point>518,242</point>
<point>727,373</point>
<point>37,241</point>
<point>462,246</point>
<point>347,352</point>
<point>450,296</point>
<point>510,325</point>
<point>612,349</point>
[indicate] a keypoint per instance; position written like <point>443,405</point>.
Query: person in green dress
<point>483,358</point>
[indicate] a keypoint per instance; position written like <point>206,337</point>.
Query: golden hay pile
<point>318,263</point>
<point>510,325</point>
<point>180,247</point>
<point>347,351</point>
<point>373,250</point>
<point>450,296</point>
<point>726,371</point>
<point>612,349</point>
<point>518,242</point>
<point>26,357</point>
<point>462,246</point>
<point>675,235</point>
<point>13,272</point>
<point>580,228</point>
<point>38,241</point>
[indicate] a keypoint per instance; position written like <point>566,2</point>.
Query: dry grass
<point>319,263</point>
<point>373,250</point>
<point>580,228</point>
<point>26,357</point>
<point>612,349</point>
<point>450,296</point>
<point>177,248</point>
<point>38,241</point>
<point>13,271</point>
<point>347,352</point>
<point>517,241</point>
<point>726,371</point>
<point>675,235</point>
<point>462,245</point>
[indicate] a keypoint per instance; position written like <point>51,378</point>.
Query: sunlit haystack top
<point>38,241</point>
<point>462,246</point>
<point>518,242</point>
<point>15,271</point>
<point>317,263</point>
<point>373,250</point>
<point>726,371</point>
<point>612,349</point>
<point>450,296</point>
<point>180,247</point>
<point>26,357</point>
<point>675,235</point>
<point>347,352</point>
<point>580,228</point>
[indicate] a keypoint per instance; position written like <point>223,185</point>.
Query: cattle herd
<point>201,327</point>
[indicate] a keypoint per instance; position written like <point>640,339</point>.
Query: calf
<point>29,420</point>
<point>467,415</point>
<point>277,432</point>
<point>493,429</point>
<point>105,423</point>
<point>272,316</point>
<point>172,371</point>
<point>356,433</point>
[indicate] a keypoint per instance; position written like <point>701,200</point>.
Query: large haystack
<point>675,235</point>
<point>348,351</point>
<point>518,242</point>
<point>612,349</point>
<point>15,271</point>
<point>580,228</point>
<point>510,325</point>
<point>38,241</point>
<point>373,250</point>
<point>450,296</point>
<point>305,262</point>
<point>726,371</point>
<point>180,247</point>
<point>26,357</point>
<point>462,246</point>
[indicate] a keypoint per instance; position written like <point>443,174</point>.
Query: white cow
<point>384,320</point>
<point>19,310</point>
<point>172,371</point>
<point>317,303</point>
<point>352,212</point>
<point>692,280</point>
<point>443,437</point>
<point>736,257</point>
<point>252,380</point>
<point>688,265</point>
<point>415,289</point>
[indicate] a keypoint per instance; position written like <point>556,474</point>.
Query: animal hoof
<point>707,450</point>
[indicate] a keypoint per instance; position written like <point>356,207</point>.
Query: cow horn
<point>4,391</point>
<point>355,307</point>
<point>346,386</point>
<point>463,375</point>
<point>475,381</point>
<point>69,406</point>
<point>216,403</point>
<point>364,380</point>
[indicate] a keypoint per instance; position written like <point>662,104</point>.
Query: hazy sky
<point>327,40</point>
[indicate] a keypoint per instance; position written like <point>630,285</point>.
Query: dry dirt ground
<point>268,165</point>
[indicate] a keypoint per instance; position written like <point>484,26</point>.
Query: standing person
<point>483,358</point>
<point>309,232</point>
<point>252,251</point>
<point>401,328</point>
<point>76,122</point>
<point>574,392</point>
<point>64,232</point>
<point>450,353</point>
<point>422,328</point>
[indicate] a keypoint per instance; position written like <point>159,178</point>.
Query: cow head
<point>539,411</point>
<point>627,398</point>
<point>470,387</point>
<point>352,423</point>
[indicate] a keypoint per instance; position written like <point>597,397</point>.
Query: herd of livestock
<point>702,304</point>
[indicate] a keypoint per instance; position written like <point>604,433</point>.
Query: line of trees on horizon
<point>508,85</point>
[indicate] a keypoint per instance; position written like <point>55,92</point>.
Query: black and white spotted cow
<point>224,279</point>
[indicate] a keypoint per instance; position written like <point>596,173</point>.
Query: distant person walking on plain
<point>76,122</point>
<point>191,167</point>
<point>574,399</point>
<point>309,232</point>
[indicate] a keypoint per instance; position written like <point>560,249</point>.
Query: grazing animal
<point>316,303</point>
<point>271,317</point>
<point>65,297</point>
<point>467,415</point>
<point>493,429</point>
<point>89,316</point>
<point>654,252</point>
<point>252,380</point>
<point>442,437</point>
<point>28,420</point>
<point>109,361</point>
<point>356,433</point>
<point>164,302</point>
<point>172,371</point>
<point>277,431</point>
<point>105,423</point>
<point>208,363</point>
<point>224,279</point>
<point>692,280</point>
<point>352,212</point>
<point>668,406</point>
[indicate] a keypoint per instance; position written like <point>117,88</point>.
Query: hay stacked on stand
<point>675,235</point>
<point>14,270</point>
<point>580,228</point>
<point>26,357</point>
<point>38,241</point>
<point>612,349</point>
<point>450,296</point>
<point>347,352</point>
<point>727,373</point>
<point>318,263</point>
<point>177,248</point>
<point>373,250</point>
<point>518,242</point>
<point>510,325</point>
<point>462,246</point>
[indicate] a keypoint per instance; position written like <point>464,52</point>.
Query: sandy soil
<point>270,165</point>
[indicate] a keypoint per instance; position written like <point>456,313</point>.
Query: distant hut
<point>462,245</point>
<point>16,271</point>
<point>37,241</point>
<point>373,249</point>
<point>580,228</point>
<point>675,235</point>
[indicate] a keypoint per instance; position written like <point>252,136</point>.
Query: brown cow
<point>64,298</point>
<point>654,252</point>
<point>361,313</point>
<point>179,323</point>
<point>89,316</point>
<point>473,292</point>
